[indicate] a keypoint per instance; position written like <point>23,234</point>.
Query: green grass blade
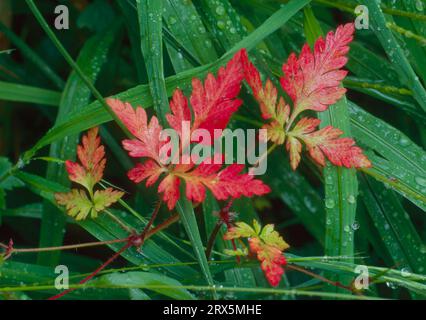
<point>387,141</point>
<point>32,56</point>
<point>187,216</point>
<point>273,23</point>
<point>22,93</point>
<point>185,24</point>
<point>395,52</point>
<point>341,185</point>
<point>402,164</point>
<point>150,21</point>
<point>146,279</point>
<point>150,15</point>
<point>297,193</point>
<point>394,176</point>
<point>410,28</point>
<point>130,15</point>
<point>395,227</point>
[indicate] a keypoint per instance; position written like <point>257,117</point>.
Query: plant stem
<point>132,240</point>
<point>165,224</point>
<point>313,275</point>
<point>151,221</point>
<point>103,266</point>
<point>212,238</point>
<point>67,247</point>
<point>263,157</point>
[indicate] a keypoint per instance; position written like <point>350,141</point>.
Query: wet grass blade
<point>402,164</point>
<point>32,56</point>
<point>341,184</point>
<point>150,15</point>
<point>394,226</point>
<point>187,216</point>
<point>394,52</point>
<point>28,94</point>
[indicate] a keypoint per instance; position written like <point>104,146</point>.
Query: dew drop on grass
<point>355,225</point>
<point>329,203</point>
<point>419,5</point>
<point>391,285</point>
<point>421,181</point>
<point>405,272</point>
<point>404,142</point>
<point>351,199</point>
<point>308,203</point>
<point>220,10</point>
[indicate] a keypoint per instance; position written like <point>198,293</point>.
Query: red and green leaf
<point>78,203</point>
<point>266,244</point>
<point>92,158</point>
<point>313,82</point>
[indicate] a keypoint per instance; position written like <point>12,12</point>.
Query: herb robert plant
<point>312,81</point>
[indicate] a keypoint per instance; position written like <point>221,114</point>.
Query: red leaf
<point>224,184</point>
<point>91,155</point>
<point>213,103</point>
<point>327,142</point>
<point>271,258</point>
<point>313,80</point>
<point>180,111</point>
<point>148,135</point>
<point>267,95</point>
<point>169,187</point>
<point>149,170</point>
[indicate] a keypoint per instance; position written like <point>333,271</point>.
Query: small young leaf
<point>92,157</point>
<point>266,244</point>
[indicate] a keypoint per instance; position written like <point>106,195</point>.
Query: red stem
<point>132,240</point>
<point>94,273</point>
